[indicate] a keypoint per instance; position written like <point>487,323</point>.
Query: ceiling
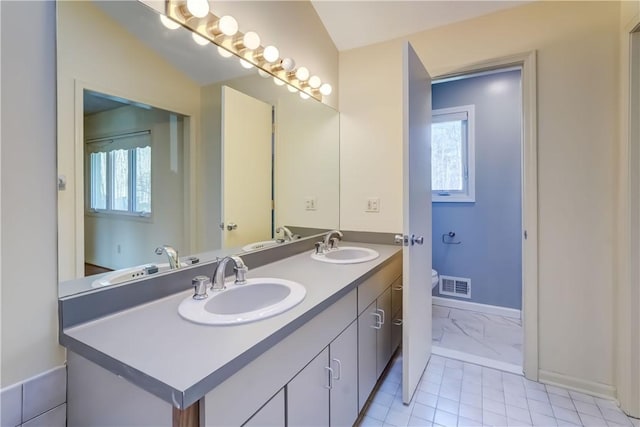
<point>353,24</point>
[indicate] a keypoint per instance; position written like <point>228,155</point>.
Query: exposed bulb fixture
<point>315,82</point>
<point>292,89</point>
<point>278,82</point>
<point>250,40</point>
<point>262,73</point>
<point>288,64</point>
<point>304,95</point>
<point>199,39</point>
<point>224,52</point>
<point>172,25</point>
<point>246,64</point>
<point>198,8</point>
<point>302,74</point>
<point>271,54</point>
<point>326,89</point>
<point>228,25</point>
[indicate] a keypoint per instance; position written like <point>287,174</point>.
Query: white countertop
<point>179,361</point>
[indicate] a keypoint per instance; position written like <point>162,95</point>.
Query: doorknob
<point>232,226</point>
<point>402,240</point>
<point>416,240</point>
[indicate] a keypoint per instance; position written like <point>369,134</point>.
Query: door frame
<point>527,62</point>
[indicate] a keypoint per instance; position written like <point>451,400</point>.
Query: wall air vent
<point>455,286</point>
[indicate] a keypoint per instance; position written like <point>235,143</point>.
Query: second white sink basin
<point>258,299</point>
<point>346,255</point>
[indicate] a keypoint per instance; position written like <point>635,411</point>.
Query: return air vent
<point>455,286</point>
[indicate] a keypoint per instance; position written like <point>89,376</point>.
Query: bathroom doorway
<point>482,205</point>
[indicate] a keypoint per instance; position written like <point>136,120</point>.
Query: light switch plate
<point>373,204</point>
<point>310,203</point>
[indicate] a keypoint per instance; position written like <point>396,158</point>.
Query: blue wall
<point>490,228</point>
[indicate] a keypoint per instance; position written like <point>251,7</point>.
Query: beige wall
<point>578,75</point>
<point>29,284</point>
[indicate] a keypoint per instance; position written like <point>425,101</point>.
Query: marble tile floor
<point>453,393</point>
<point>484,335</point>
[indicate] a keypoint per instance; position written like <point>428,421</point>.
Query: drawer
<point>396,295</point>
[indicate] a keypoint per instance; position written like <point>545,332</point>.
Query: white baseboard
<point>592,388</point>
<point>477,360</point>
<point>474,306</point>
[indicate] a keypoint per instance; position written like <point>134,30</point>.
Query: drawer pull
<point>397,288</point>
<point>329,386</point>
<point>378,324</point>
<point>339,369</point>
<point>397,322</point>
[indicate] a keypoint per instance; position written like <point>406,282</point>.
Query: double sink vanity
<point>302,341</point>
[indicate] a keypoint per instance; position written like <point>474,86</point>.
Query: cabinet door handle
<point>397,322</point>
<point>378,324</point>
<point>339,369</point>
<point>397,288</point>
<point>382,313</point>
<point>330,372</point>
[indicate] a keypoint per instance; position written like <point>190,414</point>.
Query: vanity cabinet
<point>376,342</point>
<point>271,414</point>
<point>396,309</point>
<point>325,391</point>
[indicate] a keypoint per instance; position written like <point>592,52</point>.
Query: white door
<point>416,268</point>
<point>246,169</point>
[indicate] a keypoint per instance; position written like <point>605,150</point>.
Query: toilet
<point>434,278</point>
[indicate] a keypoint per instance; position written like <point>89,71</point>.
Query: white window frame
<point>468,194</point>
<point>131,184</point>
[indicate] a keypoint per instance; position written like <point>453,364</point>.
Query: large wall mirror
<point>163,141</point>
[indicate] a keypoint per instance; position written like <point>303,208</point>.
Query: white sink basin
<point>346,255</point>
<point>258,299</point>
<point>260,245</point>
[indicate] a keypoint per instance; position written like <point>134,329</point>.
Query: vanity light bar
<point>246,46</point>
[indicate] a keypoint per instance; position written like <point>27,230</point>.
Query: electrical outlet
<point>310,203</point>
<point>373,204</point>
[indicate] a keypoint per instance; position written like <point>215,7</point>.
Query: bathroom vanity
<point>315,364</point>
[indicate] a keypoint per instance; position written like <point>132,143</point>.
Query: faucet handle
<point>200,284</point>
<point>319,247</point>
<point>241,274</point>
<point>334,242</point>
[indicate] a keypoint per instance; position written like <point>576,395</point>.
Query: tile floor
<point>453,393</point>
<point>485,335</point>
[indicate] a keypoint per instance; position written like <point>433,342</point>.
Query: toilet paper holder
<point>450,235</point>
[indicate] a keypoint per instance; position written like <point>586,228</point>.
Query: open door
<point>246,169</point>
<point>416,253</point>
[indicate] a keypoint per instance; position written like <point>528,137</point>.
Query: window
<point>119,171</point>
<point>453,155</point>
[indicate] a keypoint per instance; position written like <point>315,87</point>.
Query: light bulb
<point>246,64</point>
<point>271,54</point>
<point>262,73</point>
<point>278,82</point>
<point>291,89</point>
<point>288,64</point>
<point>302,74</point>
<point>172,25</point>
<point>199,39</point>
<point>198,8</point>
<point>304,95</point>
<point>224,52</point>
<point>251,40</point>
<point>326,89</point>
<point>315,82</point>
<point>228,25</point>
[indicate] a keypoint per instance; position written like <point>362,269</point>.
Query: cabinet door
<point>343,353</point>
<point>367,349</point>
<point>271,414</point>
<point>308,394</point>
<point>384,333</point>
<point>396,331</point>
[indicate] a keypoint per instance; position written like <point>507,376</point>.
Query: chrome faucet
<point>218,275</point>
<point>330,241</point>
<point>288,235</point>
<point>172,254</point>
